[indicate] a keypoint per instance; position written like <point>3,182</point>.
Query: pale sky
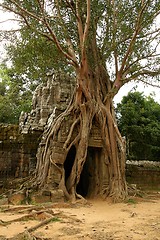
<point>9,25</point>
<point>147,90</point>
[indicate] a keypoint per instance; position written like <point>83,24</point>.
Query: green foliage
<point>113,23</point>
<point>13,97</point>
<point>32,57</point>
<point>131,201</point>
<point>139,121</point>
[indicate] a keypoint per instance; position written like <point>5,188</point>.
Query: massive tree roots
<point>66,141</point>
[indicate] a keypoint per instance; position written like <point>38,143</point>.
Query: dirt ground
<point>136,219</point>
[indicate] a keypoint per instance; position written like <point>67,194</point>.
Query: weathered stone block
<point>17,198</point>
<point>4,201</point>
<point>39,198</point>
<point>57,195</point>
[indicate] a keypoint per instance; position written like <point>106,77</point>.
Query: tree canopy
<point>139,121</point>
<point>31,57</point>
<point>126,34</point>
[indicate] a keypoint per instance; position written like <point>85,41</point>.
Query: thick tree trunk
<point>90,106</point>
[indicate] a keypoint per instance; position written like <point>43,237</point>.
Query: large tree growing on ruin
<point>108,43</point>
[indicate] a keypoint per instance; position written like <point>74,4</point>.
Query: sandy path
<point>98,220</point>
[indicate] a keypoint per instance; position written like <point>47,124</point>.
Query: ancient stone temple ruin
<point>19,144</point>
<point>17,152</point>
<point>49,100</point>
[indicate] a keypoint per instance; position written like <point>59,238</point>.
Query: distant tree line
<point>14,96</point>
<point>139,121</point>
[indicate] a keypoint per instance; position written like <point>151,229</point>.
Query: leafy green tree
<point>93,37</point>
<point>31,56</point>
<point>13,98</point>
<point>139,122</point>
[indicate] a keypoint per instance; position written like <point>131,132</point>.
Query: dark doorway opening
<point>87,185</point>
<point>68,164</point>
<point>83,185</point>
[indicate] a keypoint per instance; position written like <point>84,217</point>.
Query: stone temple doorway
<point>68,164</point>
<point>89,182</point>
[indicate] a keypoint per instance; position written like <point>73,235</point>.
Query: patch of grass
<point>1,197</point>
<point>28,200</point>
<point>56,219</point>
<point>131,201</point>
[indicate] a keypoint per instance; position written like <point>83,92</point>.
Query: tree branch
<point>86,27</point>
<point>79,24</point>
<point>28,13</point>
<point>68,55</point>
<point>150,34</point>
<point>10,19</point>
<point>10,31</point>
<point>24,13</point>
<point>136,32</point>
<point>72,8</point>
<point>152,55</point>
<point>71,51</point>
<point>114,37</point>
<point>143,73</point>
<point>150,84</point>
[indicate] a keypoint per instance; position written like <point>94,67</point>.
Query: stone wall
<point>145,175</point>
<point>18,159</point>
<point>18,144</point>
<point>17,152</point>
